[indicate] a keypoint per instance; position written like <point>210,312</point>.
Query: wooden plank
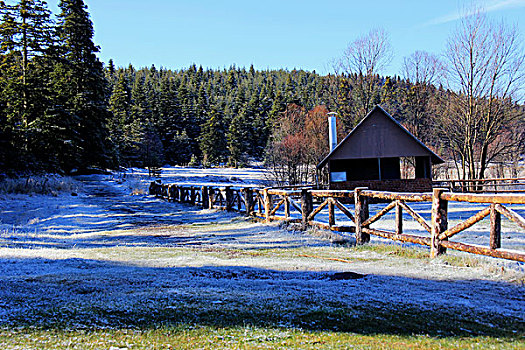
<point>336,228</point>
<point>379,214</point>
<point>283,218</point>
<point>511,215</point>
<point>345,211</point>
<point>416,216</point>
<point>318,209</point>
<point>396,237</point>
<point>484,198</point>
<point>279,192</point>
<point>496,253</point>
<point>296,205</point>
<point>404,196</point>
<point>332,193</point>
<point>274,210</point>
<point>465,224</point>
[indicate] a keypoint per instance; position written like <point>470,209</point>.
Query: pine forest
<point>63,110</point>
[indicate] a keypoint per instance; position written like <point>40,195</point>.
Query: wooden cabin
<point>371,156</point>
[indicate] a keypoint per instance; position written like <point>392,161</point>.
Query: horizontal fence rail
<point>500,185</point>
<point>311,207</point>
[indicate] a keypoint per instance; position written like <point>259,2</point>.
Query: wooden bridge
<point>304,205</point>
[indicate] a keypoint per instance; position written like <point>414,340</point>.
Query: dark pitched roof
<point>379,135</point>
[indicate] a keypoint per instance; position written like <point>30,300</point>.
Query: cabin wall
<point>367,169</point>
<point>405,185</point>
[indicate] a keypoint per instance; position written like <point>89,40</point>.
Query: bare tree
<point>486,64</point>
<point>422,67</point>
<point>422,70</point>
<point>362,60</point>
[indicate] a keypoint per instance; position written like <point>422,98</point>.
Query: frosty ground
<point>113,257</point>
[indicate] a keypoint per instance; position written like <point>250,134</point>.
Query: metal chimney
<point>332,130</point>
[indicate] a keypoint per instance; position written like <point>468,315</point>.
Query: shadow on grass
<point>79,294</point>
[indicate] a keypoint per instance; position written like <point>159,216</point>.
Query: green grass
<point>244,337</point>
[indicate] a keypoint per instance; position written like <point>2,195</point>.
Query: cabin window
<point>338,176</point>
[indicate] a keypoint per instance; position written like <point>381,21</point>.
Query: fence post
<point>306,207</point>
<point>399,219</point>
<point>228,198</point>
<point>211,197</point>
<point>239,200</point>
<point>267,204</point>
<point>170,193</point>
<point>193,197</point>
<point>152,187</point>
<point>286,206</point>
<point>439,221</point>
<point>177,193</point>
<point>361,214</point>
<point>495,227</point>
<point>331,213</point>
<point>248,200</point>
<point>205,197</point>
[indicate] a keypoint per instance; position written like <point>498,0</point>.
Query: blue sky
<point>273,33</point>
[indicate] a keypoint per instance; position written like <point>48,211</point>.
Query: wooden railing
<point>500,185</point>
<point>306,205</point>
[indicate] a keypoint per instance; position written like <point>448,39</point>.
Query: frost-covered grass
<point>46,185</point>
<point>110,269</point>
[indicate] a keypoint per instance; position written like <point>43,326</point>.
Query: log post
<point>331,213</point>
<point>399,219</point>
<point>439,221</point>
<point>248,200</point>
<point>267,204</point>
<point>495,228</point>
<point>307,207</point>
<point>286,207</point>
<point>171,193</point>
<point>260,204</point>
<point>205,197</point>
<point>228,198</point>
<point>239,200</point>
<point>211,197</point>
<point>361,215</point>
<point>192,195</point>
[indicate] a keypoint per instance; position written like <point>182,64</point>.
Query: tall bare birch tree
<point>485,65</point>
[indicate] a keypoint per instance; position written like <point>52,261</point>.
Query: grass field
<point>105,270</point>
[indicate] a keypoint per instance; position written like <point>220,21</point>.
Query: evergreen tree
<point>120,106</point>
<point>85,87</point>
<point>212,140</point>
<point>238,138</point>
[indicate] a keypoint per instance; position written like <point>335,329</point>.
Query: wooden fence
<point>500,185</point>
<point>304,205</point>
